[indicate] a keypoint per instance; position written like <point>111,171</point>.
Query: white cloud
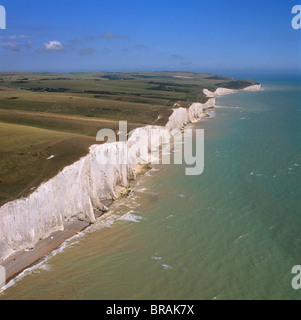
<point>54,46</point>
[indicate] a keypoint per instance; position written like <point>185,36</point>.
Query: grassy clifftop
<point>52,114</point>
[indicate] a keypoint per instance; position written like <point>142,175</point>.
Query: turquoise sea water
<point>233,232</point>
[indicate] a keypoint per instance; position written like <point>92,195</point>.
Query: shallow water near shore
<point>233,232</point>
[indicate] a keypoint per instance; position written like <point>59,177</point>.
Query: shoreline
<point>21,260</point>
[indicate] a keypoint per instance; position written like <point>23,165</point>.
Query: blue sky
<point>215,36</point>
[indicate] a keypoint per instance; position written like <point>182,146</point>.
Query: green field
<point>44,114</point>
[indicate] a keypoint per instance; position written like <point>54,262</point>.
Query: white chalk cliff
<point>79,189</point>
<point>72,194</point>
<point>183,116</point>
<point>223,91</point>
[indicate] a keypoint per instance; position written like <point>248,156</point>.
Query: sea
<point>231,233</point>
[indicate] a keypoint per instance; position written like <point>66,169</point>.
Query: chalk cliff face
<point>72,194</point>
<point>255,87</point>
<point>144,144</point>
<point>79,189</point>
<point>222,91</point>
<point>183,116</point>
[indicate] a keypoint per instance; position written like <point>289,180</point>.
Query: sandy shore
<point>21,260</point>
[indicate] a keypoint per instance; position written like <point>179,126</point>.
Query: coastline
<point>20,260</point>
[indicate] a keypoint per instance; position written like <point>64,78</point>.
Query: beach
<point>21,260</point>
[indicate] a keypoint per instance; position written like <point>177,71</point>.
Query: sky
<point>216,36</point>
